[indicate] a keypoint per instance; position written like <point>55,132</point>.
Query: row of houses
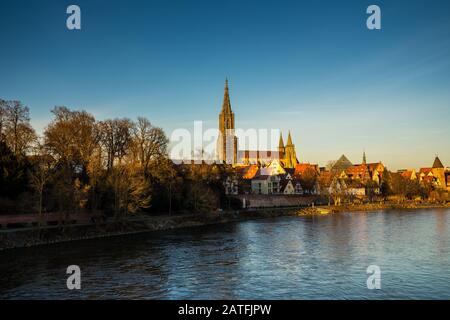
<point>437,175</point>
<point>304,178</point>
<point>356,179</point>
<point>273,178</point>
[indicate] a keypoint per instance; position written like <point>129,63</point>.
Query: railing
<point>46,219</point>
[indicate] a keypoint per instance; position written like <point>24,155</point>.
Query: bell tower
<point>290,155</point>
<point>227,141</point>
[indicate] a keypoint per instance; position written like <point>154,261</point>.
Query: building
<point>363,172</point>
<point>266,184</point>
<point>435,175</point>
<point>438,171</point>
<point>447,176</point>
<point>227,141</point>
<point>408,174</point>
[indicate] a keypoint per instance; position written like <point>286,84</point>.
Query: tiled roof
<point>408,174</point>
<point>425,170</point>
<point>356,170</point>
<point>250,172</point>
<point>437,163</point>
<point>342,163</point>
<point>300,168</point>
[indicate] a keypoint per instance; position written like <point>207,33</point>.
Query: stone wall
<point>268,201</point>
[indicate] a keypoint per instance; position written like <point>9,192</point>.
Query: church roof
<point>263,155</point>
<point>342,163</point>
<point>437,163</point>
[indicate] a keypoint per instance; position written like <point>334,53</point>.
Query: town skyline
<point>353,154</point>
<point>338,86</point>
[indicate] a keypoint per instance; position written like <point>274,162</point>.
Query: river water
<point>322,257</point>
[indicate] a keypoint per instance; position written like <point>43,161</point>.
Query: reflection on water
<point>284,258</point>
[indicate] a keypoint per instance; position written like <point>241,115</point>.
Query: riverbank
<point>34,236</point>
<point>28,237</point>
<point>323,210</point>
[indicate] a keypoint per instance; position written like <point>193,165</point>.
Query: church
<point>227,143</point>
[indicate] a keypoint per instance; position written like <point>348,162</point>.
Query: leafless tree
<point>15,126</point>
<point>40,173</point>
<point>150,143</point>
<point>115,138</point>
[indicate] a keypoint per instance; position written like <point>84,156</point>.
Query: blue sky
<point>309,66</point>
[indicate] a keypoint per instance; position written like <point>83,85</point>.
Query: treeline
<point>115,167</point>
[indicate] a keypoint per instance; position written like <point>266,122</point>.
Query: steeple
<point>281,149</point>
<point>227,141</point>
<point>290,156</point>
<point>437,163</point>
<point>226,105</point>
<point>289,140</point>
<point>364,157</point>
<point>281,143</point>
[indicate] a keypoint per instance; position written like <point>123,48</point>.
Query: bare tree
<point>15,126</point>
<point>308,180</point>
<point>72,136</point>
<point>3,118</point>
<point>150,143</point>
<point>40,173</point>
<point>115,138</point>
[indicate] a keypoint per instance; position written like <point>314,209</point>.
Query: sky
<point>311,67</point>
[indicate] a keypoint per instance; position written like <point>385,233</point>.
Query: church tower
<point>438,171</point>
<point>290,155</point>
<point>227,141</point>
<point>281,147</point>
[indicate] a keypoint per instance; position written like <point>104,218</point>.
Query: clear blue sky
<point>309,66</point>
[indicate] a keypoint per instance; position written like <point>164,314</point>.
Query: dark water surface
<point>284,258</point>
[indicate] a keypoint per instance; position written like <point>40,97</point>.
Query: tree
<point>386,184</point>
<point>12,172</point>
<point>200,198</point>
<point>150,143</point>
<point>15,127</point>
<point>2,119</point>
<point>399,186</point>
<point>71,139</point>
<point>40,173</point>
<point>115,139</point>
<point>308,180</point>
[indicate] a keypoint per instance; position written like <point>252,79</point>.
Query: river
<point>321,257</point>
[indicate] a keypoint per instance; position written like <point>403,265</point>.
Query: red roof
<point>247,172</point>
<point>407,174</point>
<point>425,170</point>
<point>357,170</point>
<point>300,168</point>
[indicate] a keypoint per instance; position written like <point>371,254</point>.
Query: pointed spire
<point>364,157</point>
<point>437,163</point>
<point>226,106</point>
<point>289,140</point>
<point>281,143</point>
